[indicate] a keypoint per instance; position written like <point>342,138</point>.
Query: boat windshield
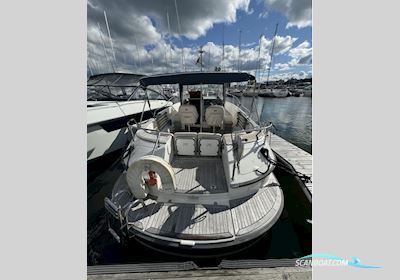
<point>120,87</point>
<point>123,93</point>
<point>109,93</point>
<point>151,92</point>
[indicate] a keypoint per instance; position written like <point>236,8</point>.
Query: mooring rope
<point>292,170</point>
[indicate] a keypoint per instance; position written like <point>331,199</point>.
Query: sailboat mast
<point>137,52</point>
<point>272,53</point>
<point>209,58</point>
<point>223,47</point>
<point>201,58</point>
<point>169,41</point>
<point>258,58</point>
<point>90,68</point>
<point>179,30</point>
<point>240,46</point>
<point>104,47</point>
<point>109,38</point>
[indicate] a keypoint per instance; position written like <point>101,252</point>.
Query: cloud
<point>195,17</point>
<point>142,45</point>
<point>158,56</point>
<point>249,44</point>
<point>140,30</point>
<point>263,15</point>
<point>282,66</point>
<point>297,12</point>
<point>301,55</point>
<point>289,75</point>
<point>283,44</point>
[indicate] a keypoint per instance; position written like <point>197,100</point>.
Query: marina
<point>191,167</point>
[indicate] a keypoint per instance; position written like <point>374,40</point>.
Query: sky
<point>159,36</point>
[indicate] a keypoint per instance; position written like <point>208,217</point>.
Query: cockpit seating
<point>188,115</point>
<point>215,116</point>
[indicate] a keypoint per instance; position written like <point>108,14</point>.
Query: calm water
<point>292,117</point>
<point>290,237</point>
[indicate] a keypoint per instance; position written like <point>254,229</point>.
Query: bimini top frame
<point>196,78</point>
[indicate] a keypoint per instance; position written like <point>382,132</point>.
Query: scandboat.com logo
<point>329,260</point>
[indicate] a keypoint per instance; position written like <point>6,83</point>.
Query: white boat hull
<point>106,124</point>
<point>268,92</point>
<point>280,92</point>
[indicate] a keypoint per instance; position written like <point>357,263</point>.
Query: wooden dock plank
<point>294,157</point>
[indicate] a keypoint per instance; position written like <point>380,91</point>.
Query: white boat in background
<point>114,99</point>
<point>235,91</point>
<point>250,91</point>
<point>262,90</point>
<point>297,94</point>
<point>198,176</point>
<point>280,92</point>
<point>307,91</point>
<point>302,90</point>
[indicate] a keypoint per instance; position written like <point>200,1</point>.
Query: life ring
<point>161,177</point>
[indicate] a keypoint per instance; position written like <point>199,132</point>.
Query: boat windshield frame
<point>119,87</point>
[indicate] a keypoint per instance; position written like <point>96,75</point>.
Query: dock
<point>233,270</point>
<point>296,160</point>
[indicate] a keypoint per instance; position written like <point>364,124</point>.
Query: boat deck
<point>199,175</point>
<point>210,222</point>
<point>296,159</point>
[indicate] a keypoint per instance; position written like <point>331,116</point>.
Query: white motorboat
<point>198,176</point>
<point>113,99</point>
<point>267,91</point>
<point>252,89</point>
<point>280,92</point>
<point>235,91</point>
<point>307,90</point>
<point>261,89</point>
<point>303,90</point>
<point>250,92</point>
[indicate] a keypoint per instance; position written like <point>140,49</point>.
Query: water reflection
<point>292,117</point>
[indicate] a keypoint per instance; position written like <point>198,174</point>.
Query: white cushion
<point>185,143</point>
<point>188,114</point>
<point>215,115</point>
<point>151,136</point>
<point>209,143</point>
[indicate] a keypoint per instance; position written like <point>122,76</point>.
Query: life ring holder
<point>162,178</point>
